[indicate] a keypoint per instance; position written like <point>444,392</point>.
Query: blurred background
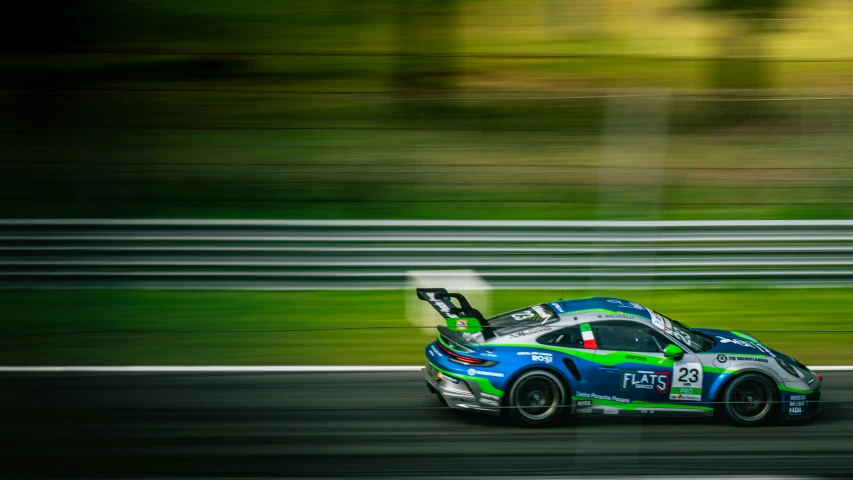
<point>438,110</point>
<point>264,183</point>
<point>547,109</point>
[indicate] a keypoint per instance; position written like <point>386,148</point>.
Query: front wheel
<point>536,399</point>
<point>750,400</point>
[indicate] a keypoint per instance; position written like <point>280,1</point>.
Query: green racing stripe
<point>640,405</point>
<point>795,390</point>
<point>609,359</point>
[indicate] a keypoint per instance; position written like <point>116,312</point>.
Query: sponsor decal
<point>625,304</point>
<point>595,396</point>
<point>657,321</point>
<point>682,335</point>
<point>530,331</point>
<point>460,400</point>
<point>795,411</point>
<point>588,338</point>
<point>489,401</point>
<point>747,359</point>
<point>432,351</point>
<point>611,411</point>
<point>542,313</point>
<point>525,315</point>
<point>488,354</point>
<point>811,381</point>
<point>461,325</point>
<point>647,412</point>
<point>722,358</point>
<point>584,410</point>
<point>686,382</point>
<point>557,307</point>
<point>538,356</point>
<point>645,380</point>
<point>801,403</point>
<point>744,343</point>
<point>617,316</point>
<point>442,307</point>
<point>584,403</point>
<point>450,379</point>
<point>686,397</point>
<point>472,371</point>
<point>798,397</point>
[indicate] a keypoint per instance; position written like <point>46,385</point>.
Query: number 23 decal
<point>684,372</point>
<point>687,382</point>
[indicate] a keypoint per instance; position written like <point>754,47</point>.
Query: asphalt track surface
<point>112,425</point>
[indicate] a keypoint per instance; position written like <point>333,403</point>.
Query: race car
<point>606,356</point>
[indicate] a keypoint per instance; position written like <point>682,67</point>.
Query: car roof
<point>605,305</point>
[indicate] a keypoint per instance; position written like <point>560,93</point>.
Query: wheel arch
<point>715,400</point>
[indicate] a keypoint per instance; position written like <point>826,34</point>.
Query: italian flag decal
<point>588,339</point>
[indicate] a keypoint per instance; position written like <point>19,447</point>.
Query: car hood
<point>731,342</point>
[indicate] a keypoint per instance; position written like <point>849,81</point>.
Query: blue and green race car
<point>607,356</point>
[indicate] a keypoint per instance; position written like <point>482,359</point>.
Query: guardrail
<point>306,254</point>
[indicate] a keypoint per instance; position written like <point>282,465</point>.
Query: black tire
<point>536,399</point>
<point>751,400</point>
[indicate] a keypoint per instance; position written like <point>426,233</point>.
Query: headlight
<point>787,367</point>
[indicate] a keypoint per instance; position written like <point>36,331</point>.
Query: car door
<point>633,367</point>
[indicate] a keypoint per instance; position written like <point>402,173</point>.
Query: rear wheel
<point>750,400</point>
<point>536,399</point>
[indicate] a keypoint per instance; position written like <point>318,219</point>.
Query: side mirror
<point>673,351</point>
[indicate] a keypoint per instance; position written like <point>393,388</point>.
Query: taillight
<point>455,357</point>
<point>820,377</point>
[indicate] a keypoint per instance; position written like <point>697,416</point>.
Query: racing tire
<point>750,400</point>
<point>536,399</point>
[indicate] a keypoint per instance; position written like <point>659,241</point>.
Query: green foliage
<point>746,9</point>
<point>191,313</point>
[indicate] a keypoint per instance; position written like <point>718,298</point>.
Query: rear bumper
<point>458,394</point>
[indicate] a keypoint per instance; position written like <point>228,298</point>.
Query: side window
<point>627,336</point>
<point>569,337</point>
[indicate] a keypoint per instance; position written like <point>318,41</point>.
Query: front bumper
<point>457,393</point>
<point>801,406</point>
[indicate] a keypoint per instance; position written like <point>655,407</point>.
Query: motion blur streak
<point>369,254</point>
<point>371,424</point>
<point>405,109</point>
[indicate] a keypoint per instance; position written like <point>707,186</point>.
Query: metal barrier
<point>324,254</point>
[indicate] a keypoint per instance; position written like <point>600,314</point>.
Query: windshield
<point>697,341</point>
<point>517,320</point>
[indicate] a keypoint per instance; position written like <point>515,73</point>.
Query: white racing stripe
<point>271,368</point>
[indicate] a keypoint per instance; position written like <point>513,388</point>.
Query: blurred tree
<point>426,41</point>
<point>742,42</point>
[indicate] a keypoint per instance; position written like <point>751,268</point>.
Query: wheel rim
<point>536,397</point>
<point>751,400</point>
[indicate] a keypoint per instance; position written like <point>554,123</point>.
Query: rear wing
<point>463,318</point>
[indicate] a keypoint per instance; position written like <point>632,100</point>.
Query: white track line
<point>262,369</point>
